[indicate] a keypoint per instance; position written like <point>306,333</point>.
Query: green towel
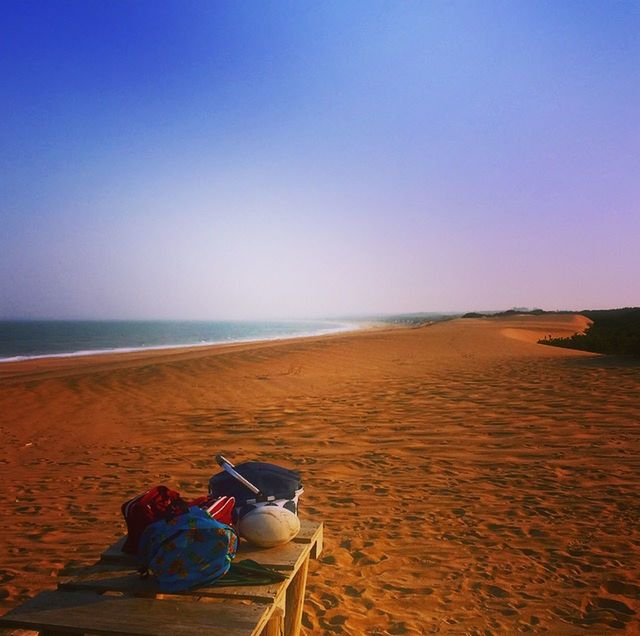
<point>248,572</point>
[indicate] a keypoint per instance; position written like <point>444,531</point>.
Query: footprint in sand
<point>623,589</point>
<point>497,591</point>
<point>6,576</point>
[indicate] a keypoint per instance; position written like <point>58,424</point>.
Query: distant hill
<point>614,331</point>
<point>415,319</point>
<point>516,311</point>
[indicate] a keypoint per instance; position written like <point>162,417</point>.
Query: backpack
<point>153,505</point>
<point>187,551</point>
<point>278,486</point>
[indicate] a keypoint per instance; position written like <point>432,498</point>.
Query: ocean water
<point>24,339</point>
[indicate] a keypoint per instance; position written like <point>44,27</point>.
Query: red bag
<point>155,504</point>
<point>219,508</point>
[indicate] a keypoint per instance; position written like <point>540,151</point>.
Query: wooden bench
<point>110,598</point>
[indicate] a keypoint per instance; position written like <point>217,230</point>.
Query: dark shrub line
<point>613,331</point>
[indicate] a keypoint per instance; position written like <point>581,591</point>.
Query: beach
<point>471,481</point>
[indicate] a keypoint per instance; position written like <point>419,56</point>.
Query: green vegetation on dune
<point>614,331</point>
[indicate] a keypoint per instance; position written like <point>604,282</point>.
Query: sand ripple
<point>471,483</point>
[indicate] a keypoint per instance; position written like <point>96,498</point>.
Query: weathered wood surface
<point>295,601</point>
<point>114,578</point>
<point>285,557</point>
<point>80,612</point>
<point>86,602</point>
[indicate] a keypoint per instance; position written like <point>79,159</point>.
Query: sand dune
<point>531,329</point>
<point>471,480</point>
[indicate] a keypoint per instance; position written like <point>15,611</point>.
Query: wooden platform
<point>110,598</point>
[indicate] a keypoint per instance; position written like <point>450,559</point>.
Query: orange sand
<point>471,480</point>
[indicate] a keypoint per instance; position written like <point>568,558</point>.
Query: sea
<point>29,339</point>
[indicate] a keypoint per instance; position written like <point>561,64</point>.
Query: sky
<point>219,160</point>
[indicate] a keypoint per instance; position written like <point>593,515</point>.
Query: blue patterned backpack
<point>187,551</point>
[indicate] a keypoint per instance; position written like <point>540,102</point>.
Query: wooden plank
<point>282,557</point>
<point>295,601</point>
<point>289,556</point>
<point>275,626</point>
<point>114,554</point>
<point>317,542</point>
<point>120,577</point>
<point>74,612</point>
<point>80,612</point>
<point>310,532</point>
<point>114,578</point>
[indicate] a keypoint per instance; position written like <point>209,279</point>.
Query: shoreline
<point>58,365</point>
<point>41,367</point>
<point>345,328</point>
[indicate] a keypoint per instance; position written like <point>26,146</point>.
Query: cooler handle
<point>227,466</point>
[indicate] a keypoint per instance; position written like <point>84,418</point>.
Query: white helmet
<point>269,525</point>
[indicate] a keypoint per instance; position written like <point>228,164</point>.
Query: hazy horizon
<point>182,160</point>
<point>327,318</point>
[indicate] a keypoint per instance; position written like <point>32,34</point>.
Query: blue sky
<point>298,159</point>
